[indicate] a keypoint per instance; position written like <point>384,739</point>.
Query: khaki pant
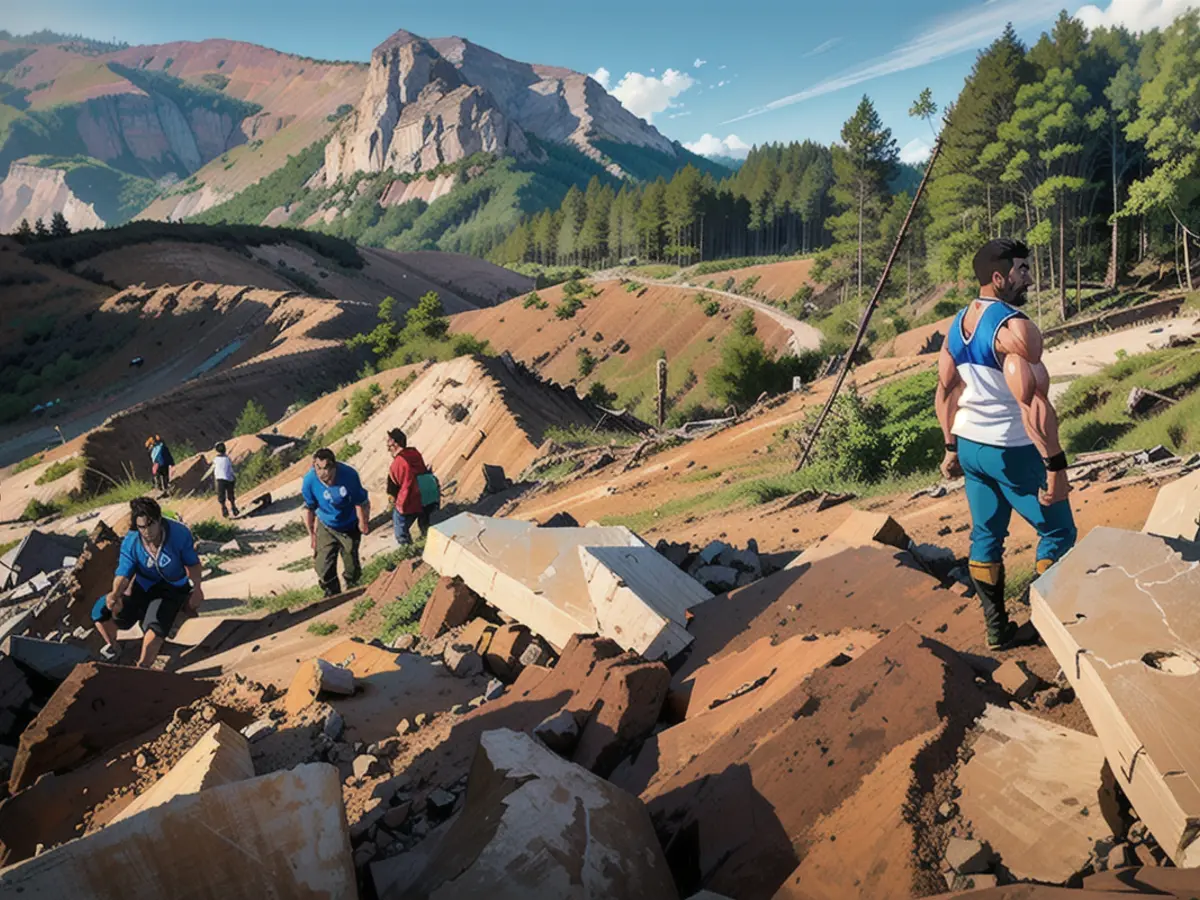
<point>329,544</point>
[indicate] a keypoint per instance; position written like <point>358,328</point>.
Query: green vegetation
<point>746,369</point>
<point>712,266</point>
<point>252,420</point>
<point>533,301</point>
<point>251,206</point>
<point>60,469</point>
<point>576,437</point>
<point>292,531</point>
<point>27,463</point>
<point>425,335</point>
<point>214,530</point>
<point>8,545</point>
<point>35,509</point>
<point>404,615</point>
<point>361,608</point>
<point>291,599</point>
<point>300,565</point>
<point>117,196</point>
<point>322,629</point>
<point>586,361</point>
<point>568,307</point>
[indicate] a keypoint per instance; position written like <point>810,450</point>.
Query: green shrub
<point>60,469</point>
<point>586,361</point>
<point>35,509</point>
<point>361,608</point>
<point>27,463</point>
<point>404,615</point>
<point>252,420</point>
<point>568,308</point>
<point>322,629</point>
<point>601,395</point>
<point>213,530</point>
<point>711,308</point>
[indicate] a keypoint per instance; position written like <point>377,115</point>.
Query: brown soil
<point>776,281</point>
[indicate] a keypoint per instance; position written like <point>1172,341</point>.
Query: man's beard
<point>1016,296</point>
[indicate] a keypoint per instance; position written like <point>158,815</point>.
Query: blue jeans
<point>402,526</point>
<point>1001,479</point>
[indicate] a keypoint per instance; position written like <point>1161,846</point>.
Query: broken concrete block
<point>256,731</point>
<point>451,604</point>
<point>559,732</point>
<point>439,803</point>
<point>364,853</point>
<point>1176,511</point>
<point>280,834</point>
<point>503,656</point>
<point>494,690</point>
<point>96,708</point>
<point>462,660</point>
<point>403,642</point>
<point>1154,454</point>
<point>1027,779</point>
<point>534,846</point>
<point>626,711</point>
<point>49,659</point>
<point>1121,614</point>
<point>717,578</point>
<point>334,725</point>
<point>967,857</point>
<point>479,634</point>
<point>314,677</point>
<point>221,756</point>
<point>1015,679</point>
<point>714,551</point>
<point>398,815</point>
<point>563,581</point>
<point>536,654</point>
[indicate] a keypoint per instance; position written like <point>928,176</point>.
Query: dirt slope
<point>775,281</point>
<point>625,332</point>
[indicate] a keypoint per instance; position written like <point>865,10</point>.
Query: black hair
<point>997,256</point>
<point>325,455</point>
<point>220,448</point>
<point>399,437</point>
<point>144,506</point>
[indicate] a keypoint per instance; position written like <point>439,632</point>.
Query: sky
<point>717,79</point>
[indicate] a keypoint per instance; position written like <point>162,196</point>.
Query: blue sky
<point>773,70</point>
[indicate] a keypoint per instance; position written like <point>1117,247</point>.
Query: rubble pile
<point>582,714</point>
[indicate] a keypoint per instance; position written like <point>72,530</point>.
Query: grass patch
<point>292,531</point>
<point>558,471</point>
<point>300,565</point>
<point>389,560</point>
<point>576,437</point>
<point>212,530</point>
<point>59,470</point>
<point>35,509</point>
<point>4,548</point>
<point>292,599</point>
<point>404,615</point>
<point>361,608</point>
<point>322,629</point>
<point>27,463</point>
<point>1017,582</point>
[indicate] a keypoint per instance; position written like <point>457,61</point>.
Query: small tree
<point>39,228</point>
<point>252,420</point>
<point>384,338</point>
<point>58,226</point>
<point>23,234</point>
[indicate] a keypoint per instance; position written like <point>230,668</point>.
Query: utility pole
<point>662,392</point>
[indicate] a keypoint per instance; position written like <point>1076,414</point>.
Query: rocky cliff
<point>33,193</point>
<point>429,102</point>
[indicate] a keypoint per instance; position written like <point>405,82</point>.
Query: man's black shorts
<point>154,607</point>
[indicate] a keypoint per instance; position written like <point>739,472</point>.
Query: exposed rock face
<point>416,112</point>
<point>439,101</point>
<point>32,192</point>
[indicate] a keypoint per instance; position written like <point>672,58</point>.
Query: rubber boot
<point>989,584</point>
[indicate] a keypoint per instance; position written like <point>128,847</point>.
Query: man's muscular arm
<point>1025,373</point>
<point>945,402</point>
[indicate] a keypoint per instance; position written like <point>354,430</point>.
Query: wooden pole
<point>866,317</point>
<point>662,393</point>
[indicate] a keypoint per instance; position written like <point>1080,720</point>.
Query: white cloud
<point>1136,15</point>
<point>679,115</point>
<point>711,145</point>
<point>721,84</point>
<point>720,67</point>
<point>947,37</point>
<point>601,77</point>
<point>915,152</point>
<point>822,48</point>
<point>698,63</point>
<point>645,95</point>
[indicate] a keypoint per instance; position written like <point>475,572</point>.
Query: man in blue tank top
<point>1001,431</point>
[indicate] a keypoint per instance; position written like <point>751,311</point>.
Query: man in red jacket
<point>402,487</point>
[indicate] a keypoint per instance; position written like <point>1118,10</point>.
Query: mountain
<point>433,144</point>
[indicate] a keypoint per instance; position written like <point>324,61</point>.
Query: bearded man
<point>1000,429</point>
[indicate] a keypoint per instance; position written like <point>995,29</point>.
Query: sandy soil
<point>776,281</point>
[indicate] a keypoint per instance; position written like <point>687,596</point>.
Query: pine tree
<point>58,226</point>
<point>23,234</point>
<point>39,229</point>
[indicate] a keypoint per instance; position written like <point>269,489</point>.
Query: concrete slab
<point>1029,780</point>
<point>49,659</point>
<point>1121,614</point>
<point>281,835</point>
<point>221,756</point>
<point>861,529</point>
<point>538,577</point>
<point>552,829</point>
<point>1176,510</point>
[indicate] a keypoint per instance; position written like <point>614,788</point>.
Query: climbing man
<point>160,462</point>
<point>404,487</point>
<point>337,514</point>
<point>1001,432</point>
<point>223,477</point>
<point>158,574</point>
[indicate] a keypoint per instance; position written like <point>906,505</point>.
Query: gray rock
<point>495,689</point>
<point>717,578</point>
<point>334,725</point>
<point>403,642</point>
<point>559,732</point>
<point>713,551</point>
<point>462,660</point>
<point>256,731</point>
<point>440,803</point>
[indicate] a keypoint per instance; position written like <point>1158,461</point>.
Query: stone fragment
<point>233,546</point>
<point>495,689</point>
<point>334,725</point>
<point>536,654</point>
<point>503,656</point>
<point>50,659</point>
<point>365,765</point>
<point>256,731</point>
<point>559,732</point>
<point>282,834</point>
<point>967,857</point>
<point>363,854</point>
<point>1015,679</point>
<point>451,604</point>
<point>440,803</point>
<point>1176,510</point>
<point>462,660</point>
<point>713,551</point>
<point>396,816</point>
<point>403,642</point>
<point>478,633</point>
<point>717,578</point>
<point>316,677</point>
<point>626,709</point>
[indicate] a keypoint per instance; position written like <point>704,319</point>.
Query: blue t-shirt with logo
<point>178,551</point>
<point>334,503</point>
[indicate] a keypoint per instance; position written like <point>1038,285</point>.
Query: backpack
<point>431,491</point>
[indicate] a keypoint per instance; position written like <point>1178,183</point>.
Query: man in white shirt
<point>1000,428</point>
<point>222,469</point>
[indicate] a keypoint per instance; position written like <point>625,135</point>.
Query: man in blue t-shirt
<point>337,514</point>
<point>160,571</point>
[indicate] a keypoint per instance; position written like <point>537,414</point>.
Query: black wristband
<point>1057,462</point>
<point>952,448</point>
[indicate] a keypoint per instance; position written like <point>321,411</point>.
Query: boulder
<point>462,660</point>
<point>553,830</point>
<point>451,604</point>
<point>1015,679</point>
<point>315,677</point>
<point>503,656</point>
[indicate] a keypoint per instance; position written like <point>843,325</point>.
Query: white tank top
<point>988,413</point>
